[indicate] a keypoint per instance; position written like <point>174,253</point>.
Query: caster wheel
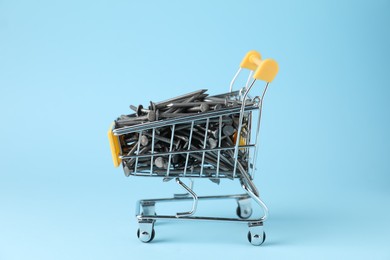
<point>256,239</point>
<point>244,214</point>
<point>145,236</point>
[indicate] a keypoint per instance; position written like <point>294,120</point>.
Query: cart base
<point>147,217</point>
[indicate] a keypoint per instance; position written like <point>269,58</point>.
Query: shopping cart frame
<point>145,209</point>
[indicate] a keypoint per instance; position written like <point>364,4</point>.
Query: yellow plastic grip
<point>266,70</point>
<point>242,139</point>
<point>114,146</point>
<point>248,61</point>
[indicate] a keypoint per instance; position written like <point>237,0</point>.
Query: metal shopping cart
<point>230,156</point>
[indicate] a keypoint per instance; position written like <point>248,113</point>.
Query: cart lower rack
<point>197,136</point>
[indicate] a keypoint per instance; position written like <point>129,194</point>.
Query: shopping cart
<point>220,161</point>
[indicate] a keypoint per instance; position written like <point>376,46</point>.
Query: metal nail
<point>210,160</point>
<point>131,139</point>
<point>228,130</point>
<point>173,114</point>
<point>188,100</point>
<point>144,140</point>
<point>160,162</point>
<point>213,143</point>
<point>151,116</point>
<point>133,149</point>
<point>204,107</point>
<point>176,158</point>
<point>139,110</point>
<point>152,106</point>
<point>192,104</point>
<point>184,127</point>
<point>163,139</point>
<point>213,132</point>
<point>217,107</point>
<point>179,98</point>
<point>196,136</point>
<point>142,151</point>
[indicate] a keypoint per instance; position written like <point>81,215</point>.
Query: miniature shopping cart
<point>232,159</point>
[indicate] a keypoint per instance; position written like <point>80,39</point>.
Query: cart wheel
<point>145,236</point>
<point>256,239</point>
<point>244,214</point>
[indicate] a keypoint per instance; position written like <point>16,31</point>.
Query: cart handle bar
<point>261,69</point>
<point>266,70</point>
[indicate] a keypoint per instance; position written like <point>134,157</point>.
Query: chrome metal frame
<point>145,209</point>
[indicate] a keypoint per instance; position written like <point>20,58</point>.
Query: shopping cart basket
<point>233,159</point>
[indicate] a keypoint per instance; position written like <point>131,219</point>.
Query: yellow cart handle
<point>260,69</point>
<point>114,146</point>
<point>248,62</point>
<point>263,69</point>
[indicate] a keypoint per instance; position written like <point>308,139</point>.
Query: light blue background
<point>67,69</point>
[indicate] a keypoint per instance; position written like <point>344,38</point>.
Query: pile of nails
<point>204,136</point>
